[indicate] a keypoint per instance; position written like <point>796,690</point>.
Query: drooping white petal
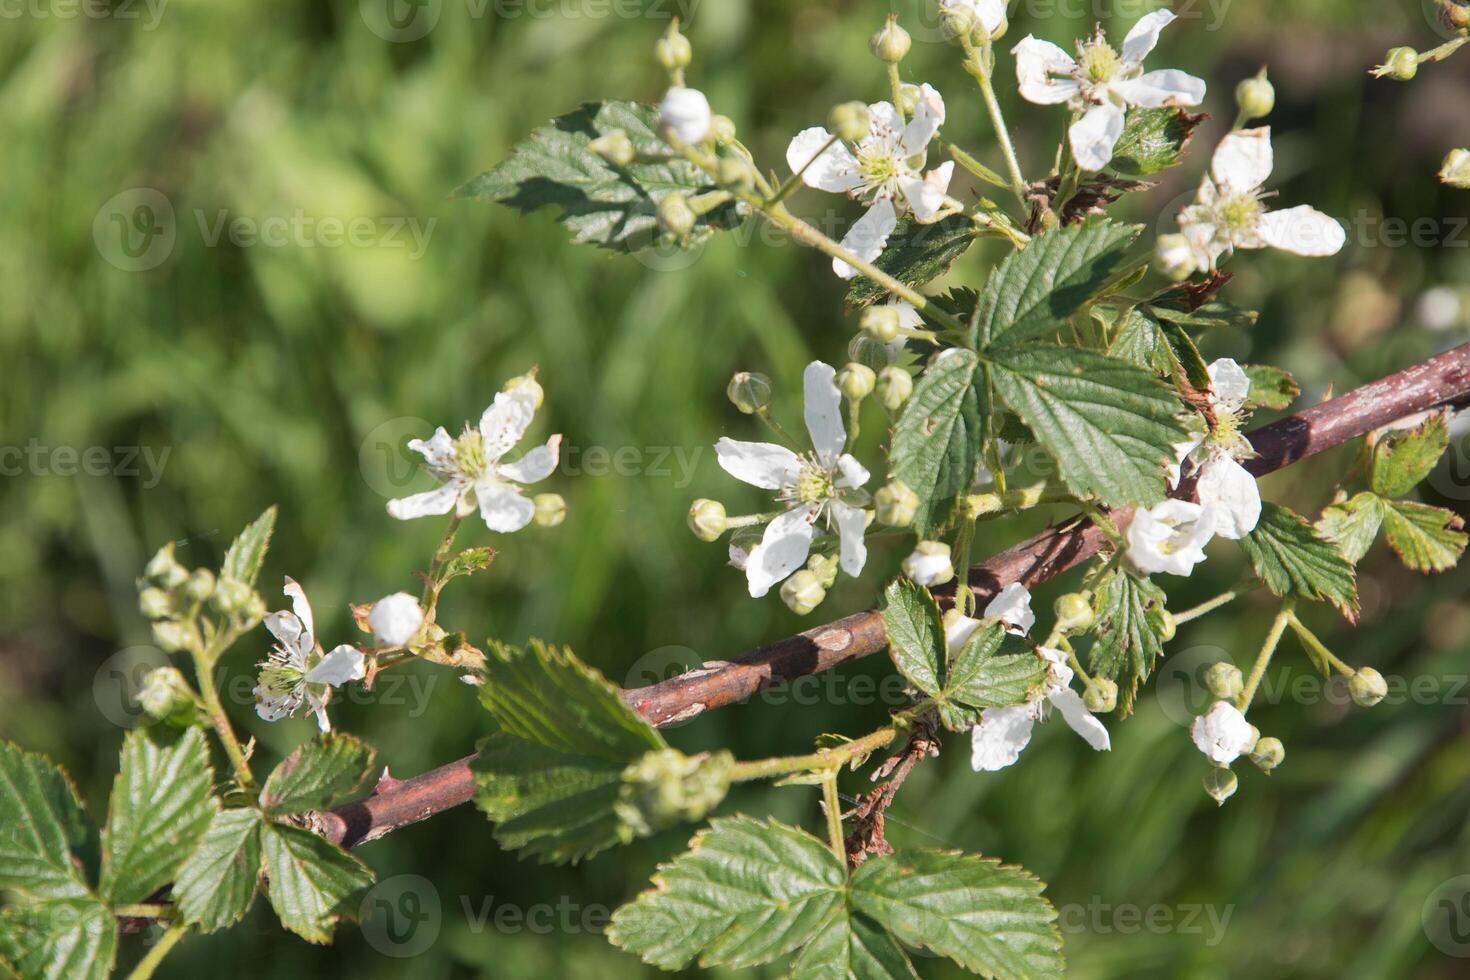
<point>957,632</point>
<point>1074,712</point>
<point>1001,735</point>
<point>822,410</point>
<point>836,170</point>
<point>1222,733</point>
<point>1302,230</point>
<point>686,111</point>
<point>536,465</point>
<point>437,450</point>
<point>297,595</point>
<point>1169,86</point>
<point>275,708</point>
<point>908,315</point>
<point>761,464</point>
<point>926,196</point>
<point>1228,489</point>
<point>852,474</point>
<point>1095,134</point>
<point>1230,386</point>
<point>1037,64</point>
<point>439,500</point>
<point>506,420</point>
<point>344,663</point>
<point>289,632</point>
<point>928,117</point>
<point>851,523</point>
<point>1145,35</point>
<point>1012,606</point>
<point>502,507</point>
<point>867,236</point>
<point>990,13</point>
<point>395,619</point>
<point>783,549</point>
<point>1169,537</point>
<point>1243,160</point>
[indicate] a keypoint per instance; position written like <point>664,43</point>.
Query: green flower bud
<point>1224,681</point>
<point>864,350</point>
<point>164,569</point>
<point>707,519</point>
<point>891,43</point>
<point>1268,753</point>
<point>1167,626</point>
<point>722,129</point>
<point>736,172</point>
<point>200,585</point>
<point>1456,169</point>
<point>896,503</point>
<point>254,608</point>
<point>880,322</point>
<point>802,592</point>
<point>849,121</point>
<point>673,50</point>
<point>824,567</point>
<point>666,787</point>
<point>166,696</point>
<point>1455,15</point>
<point>675,216</point>
<point>1367,687</point>
<point>929,564</point>
<point>527,382</point>
<point>1400,64</point>
<point>154,603</point>
<point>1255,97</point>
<point>1101,695</point>
<point>551,509</point>
<point>1173,257</point>
<point>958,22</point>
<point>171,635</point>
<point>749,392</point>
<point>895,385</point>
<point>1220,784</point>
<point>856,381</point>
<point>230,596</point>
<point>1074,614</point>
<point>908,97</point>
<point>614,147</point>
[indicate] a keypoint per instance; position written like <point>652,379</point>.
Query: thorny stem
<point>1263,659</point>
<point>833,806</point>
<point>980,63</point>
<point>1318,647</point>
<point>160,949</point>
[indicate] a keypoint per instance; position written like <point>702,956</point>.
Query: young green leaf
<point>981,676</point>
<point>1129,636</point>
<point>1110,425</point>
<point>1427,539</point>
<point>43,828</point>
<point>989,918</point>
<point>70,939</point>
<point>599,202</point>
<point>247,554</point>
<point>915,634</point>
<point>937,436</point>
<point>1033,291</point>
<point>1353,524</point>
<point>216,884</point>
<point>915,254</point>
<point>318,774</point>
<point>1271,387</point>
<point>1291,558</point>
<point>1402,459</point>
<point>1178,307</point>
<point>1138,339</point>
<point>852,947</point>
<point>160,808</point>
<point>312,882</point>
<point>1153,140</point>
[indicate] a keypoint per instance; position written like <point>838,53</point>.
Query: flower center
<point>469,452</point>
<point>1098,60</point>
<point>1240,212</point>
<point>814,484</point>
<point>279,679</point>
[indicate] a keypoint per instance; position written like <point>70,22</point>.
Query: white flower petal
<point>926,197</point>
<point>1229,490</point>
<point>957,632</point>
<point>1222,733</point>
<point>395,619</point>
<point>1012,606</point>
<point>1037,61</point>
<point>823,411</point>
<point>438,450</point>
<point>345,663</point>
<point>289,632</point>
<point>319,708</point>
<point>851,523</point>
<point>884,123</point>
<point>908,316</point>
<point>440,500</point>
<point>1229,385</point>
<point>1302,230</point>
<point>536,465</point>
<point>1145,35</point>
<point>1169,537</point>
<point>1162,88</point>
<point>928,117</point>
<point>685,111</point>
<point>1243,160</point>
<point>506,420</point>
<point>1074,712</point>
<point>990,13</point>
<point>297,595</point>
<point>502,507</point>
<point>867,236</point>
<point>1001,735</point>
<point>276,708</point>
<point>852,474</point>
<point>761,464</point>
<point>836,170</point>
<point>1095,134</point>
<point>783,549</point>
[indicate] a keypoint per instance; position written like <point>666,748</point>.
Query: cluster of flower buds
<point>172,598</point>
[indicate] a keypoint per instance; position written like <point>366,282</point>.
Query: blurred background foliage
<point>292,373</point>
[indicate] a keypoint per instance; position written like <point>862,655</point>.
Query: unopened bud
<point>527,383</point>
<point>673,50</point>
<point>891,43</point>
<point>863,349</point>
<point>1268,753</point>
<point>1255,97</point>
<point>154,603</point>
<point>675,216</point>
<point>707,519</point>
<point>1455,15</point>
<point>1101,695</point>
<point>614,147</point>
<point>749,392</point>
<point>551,509</point>
<point>1074,613</point>
<point>1174,258</point>
<point>895,385</point>
<point>1456,169</point>
<point>171,635</point>
<point>1367,687</point>
<point>896,504</point>
<point>166,696</point>
<point>1225,681</point>
<point>200,585</point>
<point>880,322</point>
<point>1167,626</point>
<point>929,564</point>
<point>849,121</point>
<point>958,20</point>
<point>1220,784</point>
<point>856,381</point>
<point>230,596</point>
<point>722,129</point>
<point>685,113</point>
<point>802,592</point>
<point>164,569</point>
<point>824,567</point>
<point>1400,64</point>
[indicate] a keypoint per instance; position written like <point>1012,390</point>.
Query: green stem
<point>791,183</point>
<point>441,555</point>
<point>833,758</point>
<point>160,949</point>
<point>980,63</point>
<point>964,597</point>
<point>204,674</point>
<point>1210,605</point>
<point>895,85</point>
<point>1310,639</point>
<point>764,414</point>
<point>749,520</point>
<point>1444,50</point>
<point>1263,659</point>
<point>142,911</point>
<point>833,806</point>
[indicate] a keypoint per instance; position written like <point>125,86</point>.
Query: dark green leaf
<point>1352,525</point>
<point>1292,559</point>
<point>850,947</point>
<point>1186,355</point>
<point>602,204</point>
<point>1427,539</point>
<point>937,436</point>
<point>216,884</point>
<point>318,774</point>
<point>915,255</point>
<point>247,553</point>
<point>1130,627</point>
<point>312,882</point>
<point>72,939</point>
<point>1402,459</point>
<point>1152,140</point>
<point>1177,308</point>
<point>915,633</point>
<point>981,676</point>
<point>1271,387</point>
<point>42,828</point>
<point>1138,339</point>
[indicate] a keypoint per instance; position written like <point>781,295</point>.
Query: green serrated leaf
<point>600,203</point>
<point>216,884</point>
<point>981,676</point>
<point>43,828</point>
<point>1033,291</point>
<point>160,808</point>
<point>1152,140</point>
<point>1270,388</point>
<point>1110,425</point>
<point>989,918</point>
<point>1353,525</point>
<point>467,562</point>
<point>1129,637</point>
<point>318,774</point>
<point>850,947</point>
<point>247,554</point>
<point>1291,558</point>
<point>1427,539</point>
<point>312,882</point>
<point>1185,354</point>
<point>915,255</point>
<point>745,893</point>
<point>1402,459</point>
<point>1138,339</point>
<point>1177,307</point>
<point>71,939</point>
<point>937,436</point>
<point>915,633</point>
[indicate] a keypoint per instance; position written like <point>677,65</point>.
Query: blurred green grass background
<point>293,372</point>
